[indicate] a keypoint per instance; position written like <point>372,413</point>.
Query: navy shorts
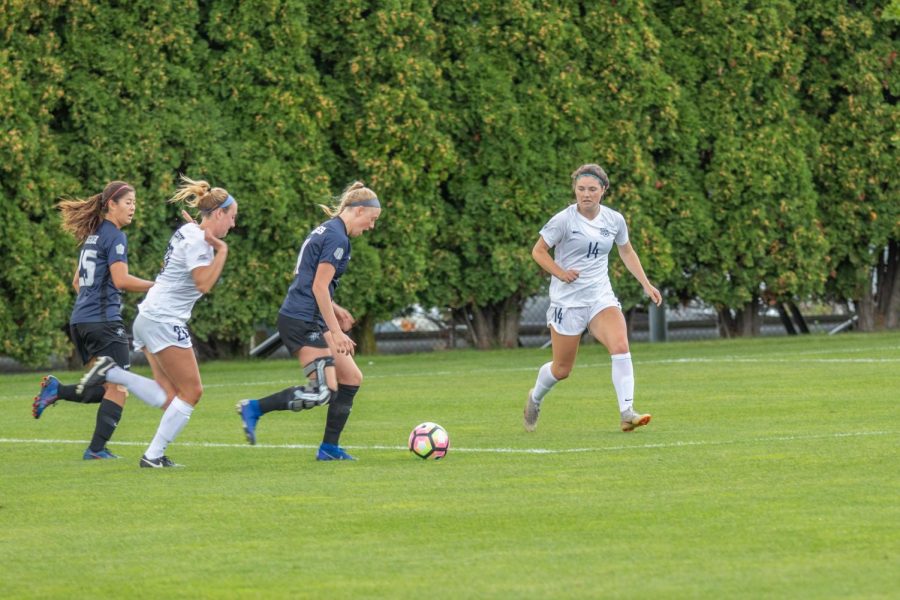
<point>102,339</point>
<point>296,334</point>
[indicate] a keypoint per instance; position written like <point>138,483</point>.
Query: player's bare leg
<point>609,328</point>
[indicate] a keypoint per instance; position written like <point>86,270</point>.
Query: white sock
<point>146,389</point>
<point>623,381</point>
<point>173,421</point>
<point>545,381</point>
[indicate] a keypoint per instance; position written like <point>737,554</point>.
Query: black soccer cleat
<point>157,463</point>
<point>96,375</point>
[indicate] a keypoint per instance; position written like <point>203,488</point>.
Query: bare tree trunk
<point>508,330</point>
<point>364,335</point>
<point>480,323</point>
<point>889,287</point>
<point>496,325</point>
<point>750,319</point>
<point>727,322</point>
<point>865,307</point>
<point>743,322</point>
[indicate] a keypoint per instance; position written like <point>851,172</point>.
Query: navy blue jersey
<point>98,299</point>
<point>328,243</point>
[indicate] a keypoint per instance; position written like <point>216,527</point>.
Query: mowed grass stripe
<point>769,470</point>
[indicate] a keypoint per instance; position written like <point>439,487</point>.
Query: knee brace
<point>314,393</point>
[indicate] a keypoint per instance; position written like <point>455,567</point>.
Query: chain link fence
<point>420,330</point>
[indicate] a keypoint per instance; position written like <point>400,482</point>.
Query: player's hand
<point>343,344</point>
<point>345,319</point>
<point>654,294</point>
<point>569,276</point>
<point>217,244</point>
<point>187,217</point>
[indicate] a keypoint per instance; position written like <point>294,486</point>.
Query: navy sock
<point>338,413</point>
<point>108,416</point>
<point>92,395</point>
<point>277,401</point>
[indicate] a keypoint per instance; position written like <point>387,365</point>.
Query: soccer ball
<point>429,440</point>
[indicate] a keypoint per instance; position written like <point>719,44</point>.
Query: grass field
<point>771,469</point>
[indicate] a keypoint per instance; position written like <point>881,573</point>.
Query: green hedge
<point>751,146</point>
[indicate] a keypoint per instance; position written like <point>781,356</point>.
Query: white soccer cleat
<point>532,412</point>
<point>633,421</point>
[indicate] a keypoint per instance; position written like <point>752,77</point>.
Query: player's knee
<point>352,378</point>
<point>561,372</point>
<point>192,394</point>
<point>619,347</point>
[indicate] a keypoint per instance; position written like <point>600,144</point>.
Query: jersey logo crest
<point>605,232</point>
<point>120,249</point>
<point>339,253</point>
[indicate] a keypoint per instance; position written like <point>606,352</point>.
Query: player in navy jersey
<point>581,297</point>
<point>313,326</point>
<point>96,323</point>
<point>192,265</point>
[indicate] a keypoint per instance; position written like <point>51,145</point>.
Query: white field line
<point>617,448</point>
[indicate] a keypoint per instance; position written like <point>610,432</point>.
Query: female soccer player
<point>312,325</point>
<point>191,267</point>
<point>96,323</point>
<point>581,297</point>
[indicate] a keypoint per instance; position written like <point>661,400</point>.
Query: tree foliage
<point>752,148</point>
<point>851,81</point>
<point>755,148</point>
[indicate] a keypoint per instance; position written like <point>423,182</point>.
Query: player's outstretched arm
<point>633,263</point>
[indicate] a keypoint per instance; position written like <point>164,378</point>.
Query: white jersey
<point>174,293</point>
<point>583,244</point>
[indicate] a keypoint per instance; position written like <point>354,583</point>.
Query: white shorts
<point>575,320</point>
<point>156,336</point>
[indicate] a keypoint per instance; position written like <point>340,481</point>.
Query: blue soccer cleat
<point>332,452</point>
<point>102,454</point>
<point>47,396</point>
<point>250,414</point>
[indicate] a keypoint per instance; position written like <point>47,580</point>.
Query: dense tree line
<point>751,146</point>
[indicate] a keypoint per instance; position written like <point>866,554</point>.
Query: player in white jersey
<point>581,297</point>
<point>192,265</point>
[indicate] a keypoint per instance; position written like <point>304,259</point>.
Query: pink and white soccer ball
<point>429,440</point>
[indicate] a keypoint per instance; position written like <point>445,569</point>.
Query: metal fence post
<point>659,331</point>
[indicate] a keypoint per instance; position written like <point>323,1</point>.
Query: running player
<point>96,325</point>
<point>581,297</point>
<point>312,325</point>
<point>192,265</point>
